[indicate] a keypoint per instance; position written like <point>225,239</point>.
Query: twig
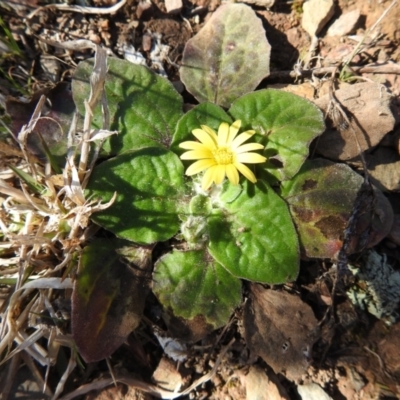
<point>381,364</point>
<point>363,202</point>
<point>387,68</point>
<point>81,9</point>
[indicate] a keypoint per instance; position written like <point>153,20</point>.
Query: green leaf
<point>144,107</point>
<point>108,296</point>
<point>49,155</point>
<point>30,181</point>
<point>228,57</point>
<point>321,198</point>
<point>204,114</point>
<point>150,188</point>
<point>287,123</point>
<point>192,284</point>
<point>254,238</point>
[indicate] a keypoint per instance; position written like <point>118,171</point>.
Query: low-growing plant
<point>225,187</point>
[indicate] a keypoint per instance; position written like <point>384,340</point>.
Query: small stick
<point>81,9</point>
<point>386,68</point>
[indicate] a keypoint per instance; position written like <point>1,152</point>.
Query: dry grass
<point>44,224</point>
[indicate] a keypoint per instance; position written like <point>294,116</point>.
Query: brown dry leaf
<point>55,118</point>
<point>281,329</point>
<point>368,106</point>
<point>384,168</point>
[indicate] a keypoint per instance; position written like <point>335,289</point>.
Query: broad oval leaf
<point>287,123</point>
<point>321,198</point>
<point>108,296</point>
<point>203,114</point>
<point>228,57</point>
<point>151,193</point>
<point>144,107</point>
<point>192,284</point>
<point>253,236</point>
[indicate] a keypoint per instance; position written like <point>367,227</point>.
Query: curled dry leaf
<point>55,118</point>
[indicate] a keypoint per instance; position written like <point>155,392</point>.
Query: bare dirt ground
<point>356,355</point>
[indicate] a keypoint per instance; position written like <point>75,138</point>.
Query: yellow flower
<point>221,155</point>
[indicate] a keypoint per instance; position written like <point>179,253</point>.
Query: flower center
<point>224,156</point>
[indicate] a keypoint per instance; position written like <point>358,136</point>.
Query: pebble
<point>173,6</point>
<point>316,14</point>
<point>261,3</point>
<point>344,24</point>
<point>312,391</point>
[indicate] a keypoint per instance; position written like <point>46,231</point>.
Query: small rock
<point>147,41</point>
<point>305,90</point>
<point>316,14</point>
<point>167,377</point>
<point>368,105</point>
<point>312,391</point>
<point>344,24</point>
<point>261,3</point>
<point>261,386</point>
<point>173,6</point>
<point>144,9</point>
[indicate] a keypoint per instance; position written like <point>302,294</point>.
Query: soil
<point>350,354</point>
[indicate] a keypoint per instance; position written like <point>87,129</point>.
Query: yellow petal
<point>233,131</point>
<point>242,138</point>
<point>208,178</point>
<point>249,147</point>
<point>223,134</point>
<point>219,173</point>
<point>205,137</point>
<point>232,174</point>
<point>210,132</point>
<point>252,158</point>
<point>244,170</point>
<point>192,145</point>
<point>197,154</point>
<point>199,166</point>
